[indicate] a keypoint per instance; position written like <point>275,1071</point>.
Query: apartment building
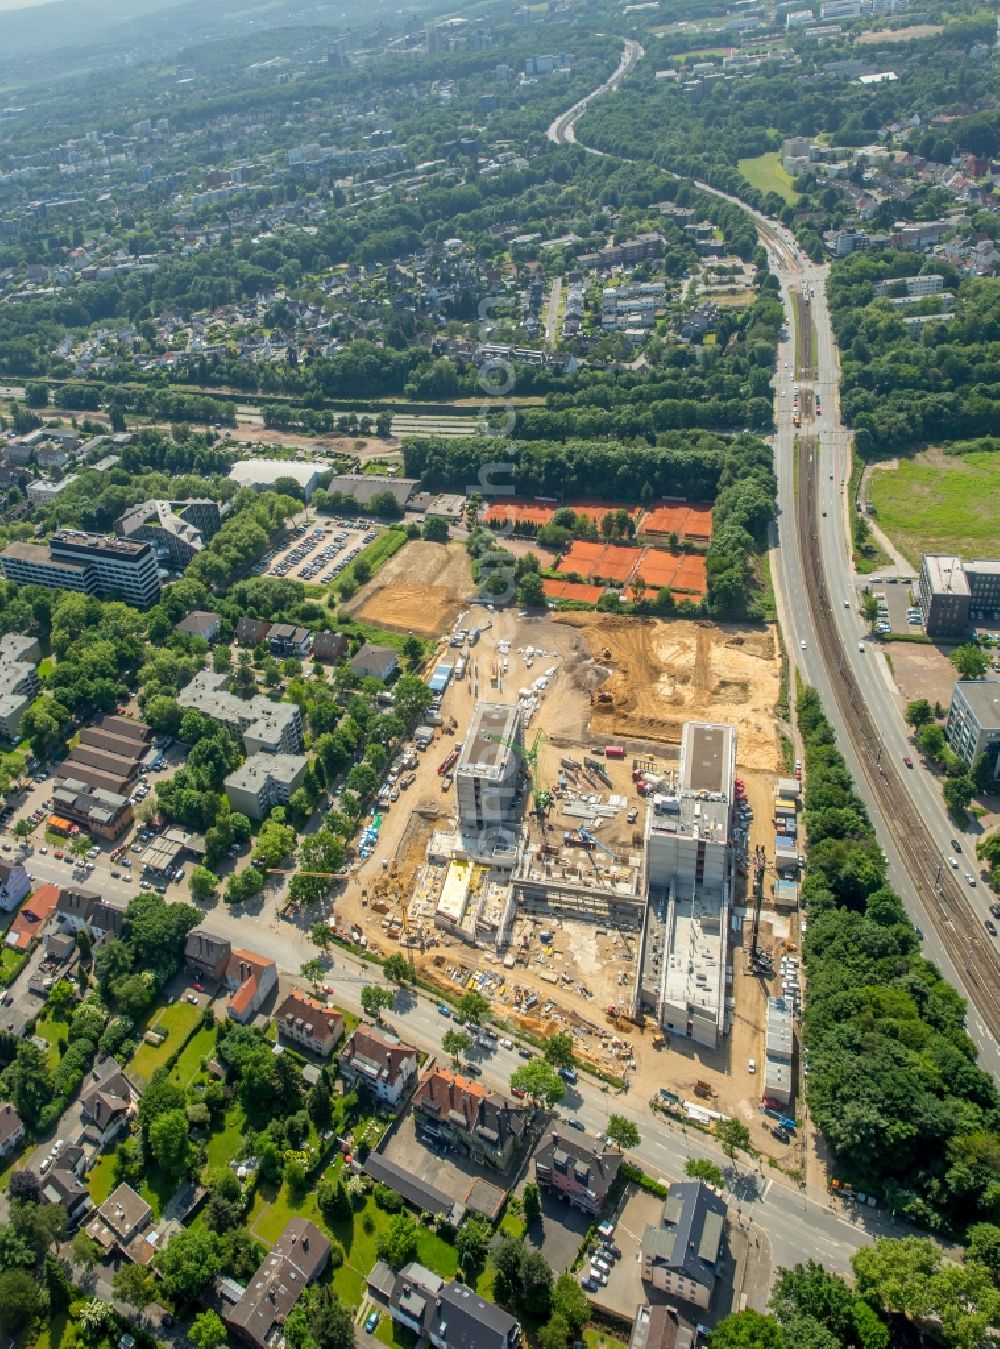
<point>250,978</point>
<point>309,1024</point>
<point>973,727</point>
<point>579,1170</point>
<point>386,1066</point>
<point>93,564</point>
<point>178,530</point>
<point>19,682</point>
<point>489,769</point>
<point>264,781</point>
<point>271,728</point>
<point>681,1255</point>
<point>296,1260</point>
<point>484,1125</point>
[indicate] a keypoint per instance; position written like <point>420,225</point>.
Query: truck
<point>614,752</point>
<point>448,763</point>
<point>423,736</point>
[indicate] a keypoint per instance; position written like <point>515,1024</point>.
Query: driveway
<point>452,1172</point>
<point>559,1232</point>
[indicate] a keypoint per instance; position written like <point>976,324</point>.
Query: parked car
<point>782,1135</point>
<point>444,1010</point>
<point>576,1123</point>
<point>371,1322</point>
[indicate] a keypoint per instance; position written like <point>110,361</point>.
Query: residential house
<point>206,955</point>
<point>11,1129</point>
<point>63,1186</point>
<point>250,978</point>
<point>264,781</point>
<point>578,1169</point>
<point>15,885</point>
<point>107,1102</point>
<point>450,1316</point>
<point>296,1260</point>
<point>285,639</point>
<point>251,631</point>
<point>27,926</point>
<point>82,910</point>
<point>329,646</point>
<point>119,1224</point>
<point>681,1255</point>
<point>200,623</point>
<point>660,1327</point>
<point>466,1115</point>
<point>309,1023</point>
<point>379,662</point>
<point>387,1066</point>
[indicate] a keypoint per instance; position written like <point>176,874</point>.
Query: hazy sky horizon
<point>21,4</point>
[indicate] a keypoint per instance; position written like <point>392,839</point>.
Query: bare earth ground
<point>420,590</point>
<point>703,672</point>
<point>922,672</point>
<point>665,673</point>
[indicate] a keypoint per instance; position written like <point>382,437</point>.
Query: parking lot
<point>560,1230</point>
<point>319,553</point>
<point>896,601</point>
<point>625,1291</point>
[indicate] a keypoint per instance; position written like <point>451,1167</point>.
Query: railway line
<point>957,927</point>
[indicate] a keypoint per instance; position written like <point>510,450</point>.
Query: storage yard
<point>547,919</point>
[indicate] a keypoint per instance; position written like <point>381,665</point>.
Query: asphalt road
<point>792,1223</point>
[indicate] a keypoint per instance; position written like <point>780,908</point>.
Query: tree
<point>700,1168</point>
<point>86,1252</point>
<point>555,1334</point>
<point>869,608</point>
<point>970,660</point>
<point>541,1084</point>
<point>472,1241</point>
<point>808,1289</point>
<point>319,1320</point>
<point>20,1301</point>
<point>28,1082</point>
<point>958,793</point>
<point>135,1285</point>
<point>733,1136</point>
<point>207,1330</point>
<point>534,1283</point>
<point>333,1200</point>
<point>25,1187</point>
<point>203,883</point>
<point>558,1049</point>
<point>623,1131</point>
<point>473,1007</point>
<point>396,968</point>
<point>456,1043</point>
<point>375,999</point>
<point>532,1201</point>
<point>748,1330</point>
<point>919,713</point>
<point>61,999</point>
<point>169,1142</point>
<point>930,741</point>
<point>189,1260</point>
<point>397,1243</point>
<point>436,529</point>
<point>570,1302</point>
<point>313,971</point>
<point>982,1244</point>
<point>983,777</point>
<point>321,935</point>
<point>531,591</point>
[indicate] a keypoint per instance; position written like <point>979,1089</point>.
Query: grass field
<point>52,1032</point>
<point>767,174</point>
<point>175,1021</point>
<point>937,503</point>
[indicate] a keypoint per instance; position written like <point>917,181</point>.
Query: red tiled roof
<point>35,912</point>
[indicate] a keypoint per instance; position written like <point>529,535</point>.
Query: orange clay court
<point>519,513</point>
<point>600,561</point>
<point>572,590</point>
<point>683,572</point>
<point>686,519</point>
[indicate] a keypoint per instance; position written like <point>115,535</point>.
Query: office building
<point>271,728</point>
<point>955,594</point>
<point>264,781</point>
<point>681,1255</point>
<point>488,772</point>
<point>973,727</point>
<point>94,564</point>
<point>178,530</point>
<point>682,962</point>
<point>264,474</point>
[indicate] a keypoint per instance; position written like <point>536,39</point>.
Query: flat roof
<point>252,472</point>
<point>487,747</point>
<point>706,758</point>
<point>946,574</point>
<point>983,697</point>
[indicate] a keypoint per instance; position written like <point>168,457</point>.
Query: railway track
<point>967,945</point>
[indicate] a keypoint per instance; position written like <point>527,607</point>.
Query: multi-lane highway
<point>561,131</point>
<point>818,599</point>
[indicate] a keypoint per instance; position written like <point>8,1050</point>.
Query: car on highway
<point>995,910</point>
<point>908,761</point>
<point>990,927</point>
<point>861,647</point>
<point>970,878</point>
<point>956,845</point>
<point>847,604</point>
<point>802,644</point>
<point>953,861</point>
<point>444,1011</point>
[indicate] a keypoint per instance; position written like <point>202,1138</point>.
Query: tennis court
<point>686,519</point>
<point>572,590</point>
<point>515,512</point>
<point>600,561</point>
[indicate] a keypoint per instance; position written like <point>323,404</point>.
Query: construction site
<point>579,844</point>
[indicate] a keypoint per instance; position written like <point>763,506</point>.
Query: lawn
<point>767,174</point>
<point>377,554</point>
<point>200,1046</point>
<point>223,1145</point>
<point>595,1338</point>
<point>52,1032</point>
<point>102,1178</point>
<point>11,964</point>
<point>175,1021</point>
<point>54,1331</point>
<point>937,503</point>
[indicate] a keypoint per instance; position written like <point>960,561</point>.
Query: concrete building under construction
<point>488,778</point>
<point>681,976</point>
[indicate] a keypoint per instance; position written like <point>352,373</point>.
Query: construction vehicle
<point>540,795</point>
<point>601,696</point>
<point>593,842</point>
<point>449,762</point>
<point>704,1089</point>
